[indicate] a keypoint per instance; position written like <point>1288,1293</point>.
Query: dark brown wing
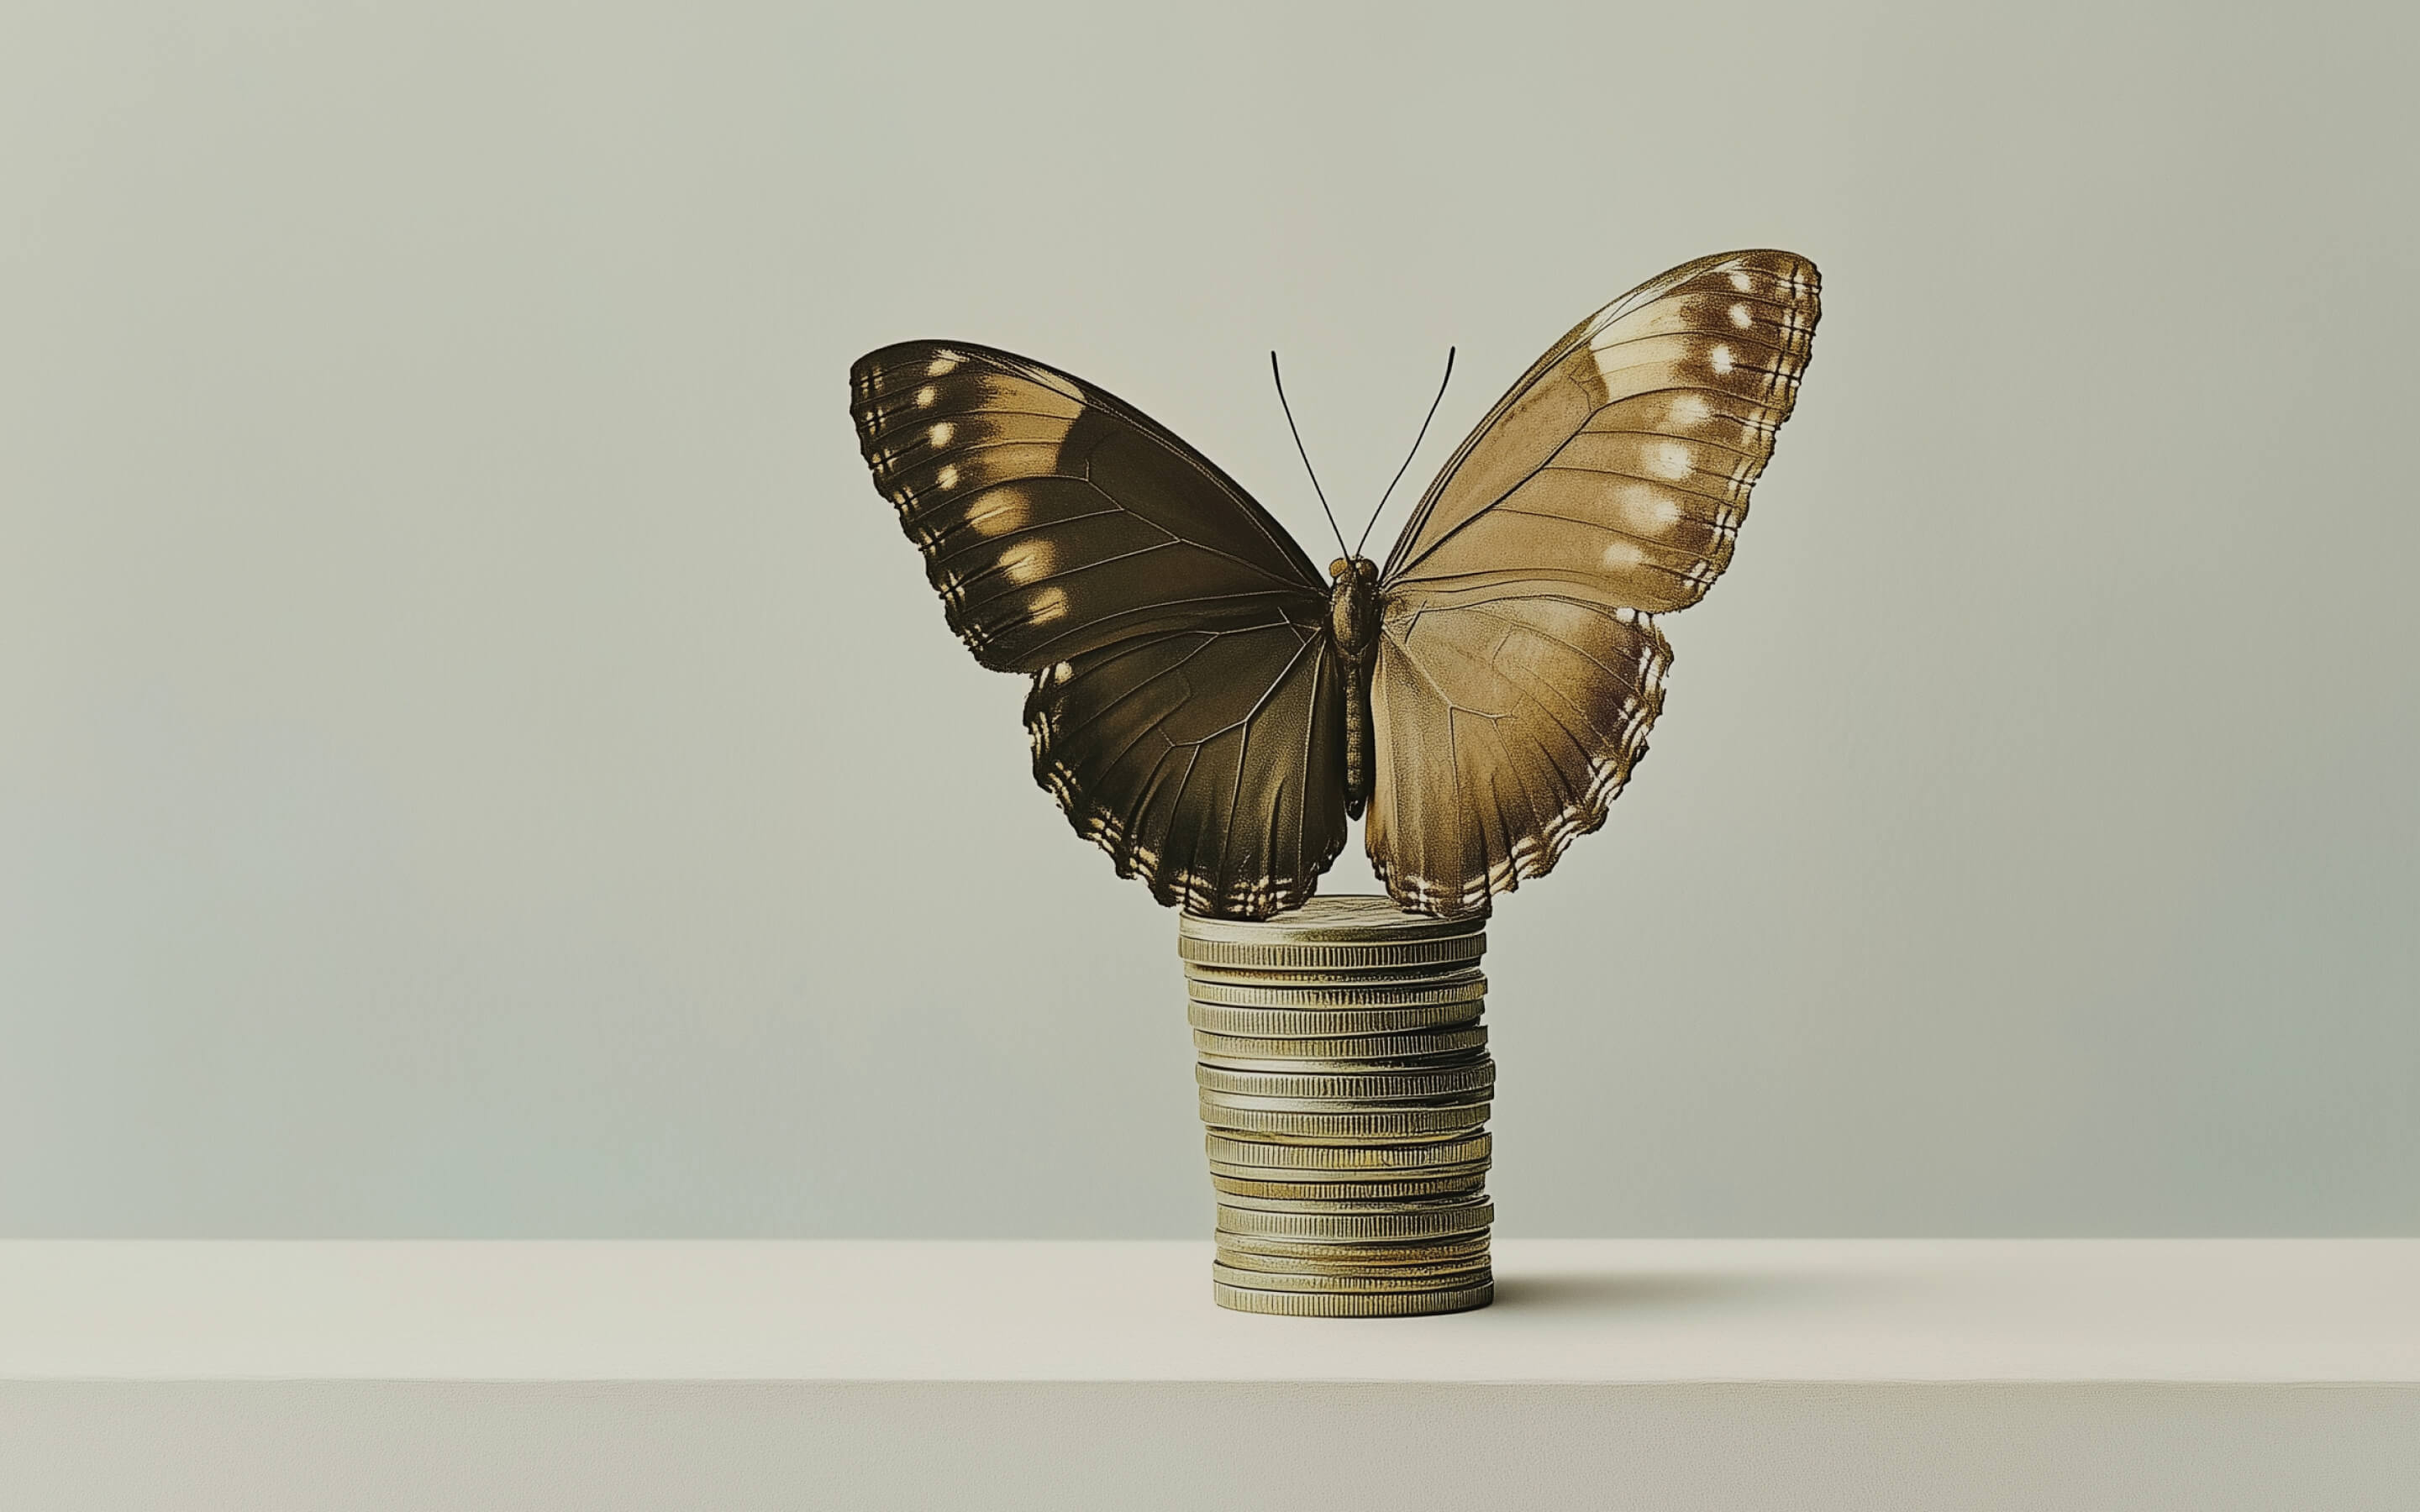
<point>1186,708</point>
<point>1054,518</point>
<point>1519,667</point>
<point>1210,762</point>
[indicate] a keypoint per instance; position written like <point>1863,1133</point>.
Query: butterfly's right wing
<point>1519,663</point>
<point>1187,711</point>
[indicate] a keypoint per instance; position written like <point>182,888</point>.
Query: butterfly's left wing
<point>1519,665</point>
<point>1187,709</point>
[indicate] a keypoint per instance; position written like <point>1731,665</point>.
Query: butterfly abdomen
<point>1352,631</point>
<point>1357,738</point>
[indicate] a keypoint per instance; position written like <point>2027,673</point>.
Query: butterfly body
<point>1212,714</point>
<point>1353,632</point>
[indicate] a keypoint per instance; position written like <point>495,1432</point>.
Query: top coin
<point>1278,959</point>
<point>1352,919</point>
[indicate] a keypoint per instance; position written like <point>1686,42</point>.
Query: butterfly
<point>1211,712</point>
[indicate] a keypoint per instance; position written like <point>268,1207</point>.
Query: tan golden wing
<point>1505,727</point>
<point>1622,462</point>
<point>1519,666</point>
<point>1186,710</point>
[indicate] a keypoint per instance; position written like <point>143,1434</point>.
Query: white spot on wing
<point>1690,411</point>
<point>1048,605</point>
<point>924,396</point>
<point>1671,459</point>
<point>941,433</point>
<point>1622,555</point>
<point>949,476</point>
<point>1742,282</point>
<point>1027,563</point>
<point>1742,317</point>
<point>1719,359</point>
<point>1649,510</point>
<point>1004,516</point>
<point>946,362</point>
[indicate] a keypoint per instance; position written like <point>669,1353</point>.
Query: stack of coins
<point>1345,1082</point>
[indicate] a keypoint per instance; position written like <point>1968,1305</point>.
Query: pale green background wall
<point>476,757</point>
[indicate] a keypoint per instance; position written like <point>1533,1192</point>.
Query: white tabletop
<point>1571,1310</point>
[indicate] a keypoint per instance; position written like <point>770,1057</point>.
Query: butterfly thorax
<point>1353,628</point>
<point>1353,607</point>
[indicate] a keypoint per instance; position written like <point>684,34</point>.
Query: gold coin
<point>1332,1264</point>
<point>1266,1250</point>
<point>1250,1103</point>
<point>1314,1175</point>
<point>1423,988</point>
<point>1323,1024</point>
<point>1352,1305</point>
<point>1227,1149</point>
<point>1347,918</point>
<point>1366,1284</point>
<point>1282,1089</point>
<point>1385,1181</point>
<point>1467,1216</point>
<point>1383,1202</point>
<point>1288,958</point>
<point>1459,1184</point>
<point>1378,1052</point>
<point>1347,1141</point>
<point>1386,1127</point>
<point>1307,1065</point>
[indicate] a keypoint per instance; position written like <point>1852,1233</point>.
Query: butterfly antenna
<point>1408,455</point>
<point>1305,456</point>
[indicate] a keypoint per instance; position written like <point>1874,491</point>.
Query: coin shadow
<point>1650,1290</point>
